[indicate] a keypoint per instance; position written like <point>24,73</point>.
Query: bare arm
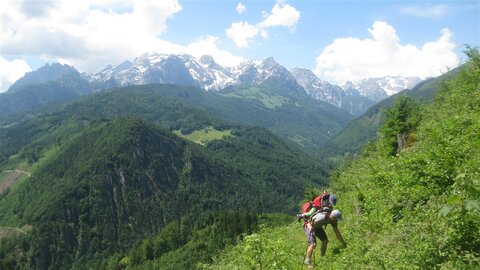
<point>339,236</point>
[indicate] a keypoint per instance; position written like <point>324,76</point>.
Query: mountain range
<point>205,73</point>
<point>378,89</point>
<point>295,104</point>
<point>184,69</point>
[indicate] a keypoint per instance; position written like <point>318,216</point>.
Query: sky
<point>338,40</point>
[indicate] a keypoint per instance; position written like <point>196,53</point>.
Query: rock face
<point>209,75</point>
<point>187,70</point>
<point>378,89</point>
<point>350,101</point>
<point>47,73</point>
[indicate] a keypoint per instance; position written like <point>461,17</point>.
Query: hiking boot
<point>308,263</point>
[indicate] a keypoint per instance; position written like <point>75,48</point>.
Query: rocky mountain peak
<point>47,73</point>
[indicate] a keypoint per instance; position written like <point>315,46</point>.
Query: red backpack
<point>307,206</point>
<point>319,203</point>
<point>322,201</point>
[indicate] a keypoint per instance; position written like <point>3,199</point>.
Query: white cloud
<point>350,59</point>
<point>436,11</point>
<point>241,8</point>
<point>10,71</point>
<point>87,34</point>
<point>90,34</point>
<point>241,32</point>
<point>282,15</point>
<point>208,46</point>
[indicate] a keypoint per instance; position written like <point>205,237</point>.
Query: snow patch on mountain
<point>380,88</point>
<point>350,101</point>
<point>187,70</point>
<point>205,73</point>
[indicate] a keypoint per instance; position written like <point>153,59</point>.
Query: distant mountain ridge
<point>365,128</point>
<point>49,84</point>
<point>187,70</point>
<point>378,89</point>
<point>350,101</point>
<point>205,73</point>
<point>47,73</point>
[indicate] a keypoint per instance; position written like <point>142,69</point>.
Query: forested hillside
<point>416,207</point>
<point>97,185</point>
<point>289,113</point>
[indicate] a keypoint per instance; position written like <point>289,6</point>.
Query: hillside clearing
<point>205,135</point>
<point>9,177</point>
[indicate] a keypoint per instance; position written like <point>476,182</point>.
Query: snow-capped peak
<point>317,88</point>
<point>185,69</point>
<point>381,88</point>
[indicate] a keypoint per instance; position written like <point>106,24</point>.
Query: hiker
<point>314,220</point>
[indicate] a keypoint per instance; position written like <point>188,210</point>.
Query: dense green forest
<point>112,183</point>
<point>288,113</point>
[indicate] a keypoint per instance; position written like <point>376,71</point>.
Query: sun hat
<point>337,215</point>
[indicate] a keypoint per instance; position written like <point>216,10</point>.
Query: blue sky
<point>338,40</point>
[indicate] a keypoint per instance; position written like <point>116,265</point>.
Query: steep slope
<point>290,114</point>
<point>417,210</point>
<point>431,188</point>
<point>118,182</point>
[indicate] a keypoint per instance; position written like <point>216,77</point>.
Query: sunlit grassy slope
<point>205,135</point>
<point>419,209</point>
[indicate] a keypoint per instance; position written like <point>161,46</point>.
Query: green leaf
<point>445,210</point>
<point>455,199</point>
<point>472,205</point>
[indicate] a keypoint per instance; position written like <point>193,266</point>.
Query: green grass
<point>300,140</point>
<point>270,101</point>
<point>205,135</point>
<point>278,247</point>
